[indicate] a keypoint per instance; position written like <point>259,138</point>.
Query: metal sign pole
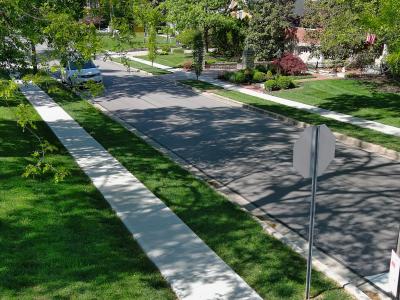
<point>314,165</point>
<point>398,253</point>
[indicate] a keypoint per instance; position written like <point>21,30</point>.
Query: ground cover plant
<point>238,239</point>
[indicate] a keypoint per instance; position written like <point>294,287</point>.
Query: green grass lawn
<point>367,135</point>
<point>144,67</point>
<point>271,268</point>
<point>349,96</point>
<point>107,42</point>
<point>62,241</point>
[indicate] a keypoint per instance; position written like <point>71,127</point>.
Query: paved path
<point>193,270</point>
<point>358,200</point>
<point>178,74</point>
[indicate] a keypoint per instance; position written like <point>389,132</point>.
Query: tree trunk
<point>34,57</point>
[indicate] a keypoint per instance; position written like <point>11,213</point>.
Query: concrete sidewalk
<point>178,74</point>
<point>193,270</point>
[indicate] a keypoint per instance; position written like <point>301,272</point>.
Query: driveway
<point>358,207</point>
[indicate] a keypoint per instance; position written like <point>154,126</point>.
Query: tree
<point>152,45</point>
<point>203,15</point>
<point>267,32</point>
<point>23,24</point>
<point>198,54</point>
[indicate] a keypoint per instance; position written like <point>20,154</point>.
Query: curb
<point>344,139</point>
<point>348,280</point>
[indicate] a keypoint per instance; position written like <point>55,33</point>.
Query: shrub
<point>259,76</point>
<point>393,62</point>
<point>165,49</point>
<point>237,77</point>
<point>187,65</point>
<point>186,37</point>
<point>269,75</point>
<point>285,83</point>
<point>225,75</point>
<point>262,68</point>
<point>178,50</point>
<point>290,64</point>
<point>271,85</point>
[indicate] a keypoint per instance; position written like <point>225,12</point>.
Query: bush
<point>262,68</point>
<point>178,50</point>
<point>165,49</point>
<point>187,65</point>
<point>269,75</point>
<point>285,83</point>
<point>248,73</point>
<point>186,37</point>
<point>290,64</point>
<point>393,62</point>
<point>259,76</point>
<point>271,85</point>
<point>237,77</point>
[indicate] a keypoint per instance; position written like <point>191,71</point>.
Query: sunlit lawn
<point>355,97</point>
<point>62,241</point>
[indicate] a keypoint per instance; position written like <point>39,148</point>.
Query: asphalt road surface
<point>358,206</point>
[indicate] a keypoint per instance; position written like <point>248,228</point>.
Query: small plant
<point>248,73</point>
<point>187,65</point>
<point>237,77</point>
<point>269,75</point>
<point>271,85</point>
<point>285,83</point>
<point>393,62</point>
<point>259,76</point>
<point>165,49</point>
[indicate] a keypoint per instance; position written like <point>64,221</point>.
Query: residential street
<point>358,205</point>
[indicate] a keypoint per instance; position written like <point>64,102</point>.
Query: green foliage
<point>186,37</point>
<point>267,29</point>
<point>165,49</point>
<point>151,45</point>
<point>393,62</point>
<point>259,76</point>
<point>198,54</point>
<point>285,82</point>
<point>271,85</point>
<point>228,38</point>
<point>269,75</point>
<point>237,77</point>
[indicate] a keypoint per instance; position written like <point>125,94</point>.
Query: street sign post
<point>312,153</point>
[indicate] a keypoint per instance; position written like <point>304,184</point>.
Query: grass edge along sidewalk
<point>267,265</point>
<point>62,240</point>
<point>364,134</point>
<point>137,65</point>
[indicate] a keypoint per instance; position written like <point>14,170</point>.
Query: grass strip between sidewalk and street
<point>266,264</point>
<point>143,67</point>
<point>62,241</point>
<point>367,135</point>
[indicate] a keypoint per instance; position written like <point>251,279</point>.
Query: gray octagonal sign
<point>303,150</point>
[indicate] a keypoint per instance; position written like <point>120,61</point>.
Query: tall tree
<point>267,32</point>
<point>203,15</point>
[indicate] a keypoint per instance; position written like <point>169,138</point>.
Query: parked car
<point>76,73</point>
